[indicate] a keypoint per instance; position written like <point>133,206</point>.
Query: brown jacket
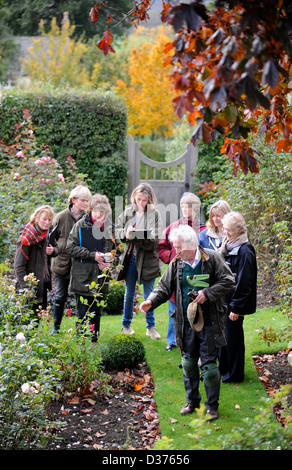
<point>221,282</point>
<point>37,262</point>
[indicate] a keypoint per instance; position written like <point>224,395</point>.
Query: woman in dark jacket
<point>33,252</point>
<point>90,238</point>
<point>240,255</point>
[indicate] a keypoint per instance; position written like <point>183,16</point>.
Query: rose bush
<point>29,177</point>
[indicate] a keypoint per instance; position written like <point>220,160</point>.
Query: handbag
<point>123,268</point>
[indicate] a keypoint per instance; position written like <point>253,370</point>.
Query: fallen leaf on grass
<point>237,407</point>
<point>173,420</point>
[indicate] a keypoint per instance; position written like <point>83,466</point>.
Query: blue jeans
<point>62,286</point>
<point>130,288</point>
<point>170,332</point>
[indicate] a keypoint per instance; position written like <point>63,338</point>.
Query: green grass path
<point>237,401</point>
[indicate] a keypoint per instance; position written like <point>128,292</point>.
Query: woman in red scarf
<point>32,254</point>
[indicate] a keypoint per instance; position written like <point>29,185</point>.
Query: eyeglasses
<point>230,232</point>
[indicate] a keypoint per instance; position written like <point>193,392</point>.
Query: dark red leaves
<point>236,57</point>
<point>187,15</point>
<point>203,131</point>
<point>104,44</point>
<point>93,15</point>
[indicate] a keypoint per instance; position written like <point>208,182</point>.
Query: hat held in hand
<point>195,316</point>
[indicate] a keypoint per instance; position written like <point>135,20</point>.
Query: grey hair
<point>184,232</point>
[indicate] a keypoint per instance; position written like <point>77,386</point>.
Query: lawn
<point>237,401</point>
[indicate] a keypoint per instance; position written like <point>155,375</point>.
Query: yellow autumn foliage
<point>149,95</point>
<point>56,57</point>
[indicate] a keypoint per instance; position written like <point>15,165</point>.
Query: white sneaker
<point>153,333</point>
<point>127,331</point>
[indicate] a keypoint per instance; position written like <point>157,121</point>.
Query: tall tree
<point>231,68</point>
<point>57,58</point>
<point>23,17</point>
<point>148,94</point>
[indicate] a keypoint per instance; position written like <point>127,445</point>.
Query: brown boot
<point>211,415</point>
<point>188,408</point>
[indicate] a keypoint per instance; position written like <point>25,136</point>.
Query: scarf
<point>228,245</point>
<point>31,235</point>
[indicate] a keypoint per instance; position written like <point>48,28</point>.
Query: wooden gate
<point>169,180</point>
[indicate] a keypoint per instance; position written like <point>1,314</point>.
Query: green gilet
<point>189,271</point>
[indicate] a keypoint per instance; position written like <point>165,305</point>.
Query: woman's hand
<point>233,316</point>
<point>102,265</point>
<point>129,233</point>
<point>49,250</point>
<point>99,257</point>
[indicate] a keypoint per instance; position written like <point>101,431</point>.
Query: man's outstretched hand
<point>145,306</point>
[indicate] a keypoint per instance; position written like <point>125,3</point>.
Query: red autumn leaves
<point>231,68</point>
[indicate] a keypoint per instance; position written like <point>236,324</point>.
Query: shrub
<point>87,125</point>
<point>123,352</point>
<point>27,381</point>
<point>27,385</point>
<point>80,364</point>
<point>115,298</point>
<point>29,177</point>
<point>264,199</point>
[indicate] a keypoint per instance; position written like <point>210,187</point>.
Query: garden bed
<point>126,418</point>
<point>275,371</point>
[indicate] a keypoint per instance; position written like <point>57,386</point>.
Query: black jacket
<point>242,262</point>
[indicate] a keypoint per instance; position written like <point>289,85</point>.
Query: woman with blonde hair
<point>240,256</point>
<point>139,227</point>
<point>213,235</point>
<point>33,252</point>
<point>78,201</point>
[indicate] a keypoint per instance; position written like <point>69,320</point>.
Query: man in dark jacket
<point>199,324</point>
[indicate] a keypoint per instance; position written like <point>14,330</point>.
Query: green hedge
<point>91,126</point>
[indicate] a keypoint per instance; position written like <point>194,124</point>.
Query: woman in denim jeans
<point>139,227</point>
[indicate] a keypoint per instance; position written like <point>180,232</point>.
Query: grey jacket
<point>221,281</point>
<point>146,250</point>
